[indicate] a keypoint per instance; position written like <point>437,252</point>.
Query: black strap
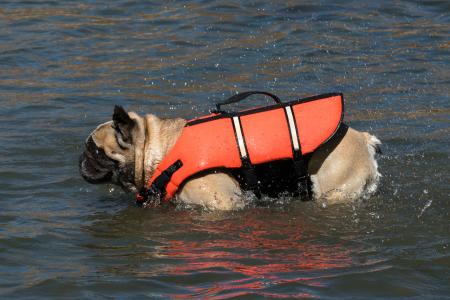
<point>242,96</point>
<point>158,188</point>
<point>251,180</point>
<point>304,179</point>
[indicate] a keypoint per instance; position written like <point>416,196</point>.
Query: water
<point>64,64</point>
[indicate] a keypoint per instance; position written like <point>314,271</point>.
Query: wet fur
<point>127,150</point>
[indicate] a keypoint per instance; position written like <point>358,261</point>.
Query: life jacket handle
<point>241,96</point>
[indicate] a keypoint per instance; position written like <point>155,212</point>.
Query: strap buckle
<point>152,196</point>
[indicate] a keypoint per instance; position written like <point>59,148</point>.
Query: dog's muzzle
<point>94,165</point>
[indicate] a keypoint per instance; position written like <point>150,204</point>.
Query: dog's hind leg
<point>345,169</point>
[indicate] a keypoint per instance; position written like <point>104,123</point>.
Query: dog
<point>127,150</point>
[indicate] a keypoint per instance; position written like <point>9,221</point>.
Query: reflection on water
<point>63,66</point>
<point>265,260</point>
<point>250,252</point>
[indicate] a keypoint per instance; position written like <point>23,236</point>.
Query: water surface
<point>63,66</point>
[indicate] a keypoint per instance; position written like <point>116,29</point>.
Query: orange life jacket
<point>240,140</point>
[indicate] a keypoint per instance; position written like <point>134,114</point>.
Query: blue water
<point>65,64</point>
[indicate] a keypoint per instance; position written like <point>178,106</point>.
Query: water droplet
<point>428,204</point>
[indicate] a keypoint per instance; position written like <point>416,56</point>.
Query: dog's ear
<point>123,125</point>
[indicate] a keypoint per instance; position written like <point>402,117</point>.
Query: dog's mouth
<point>94,171</point>
<point>94,165</point>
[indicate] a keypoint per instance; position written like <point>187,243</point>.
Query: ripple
<point>66,64</point>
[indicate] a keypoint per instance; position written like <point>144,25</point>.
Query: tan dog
<point>127,150</point>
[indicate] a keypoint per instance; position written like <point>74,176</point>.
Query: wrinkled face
<point>109,153</point>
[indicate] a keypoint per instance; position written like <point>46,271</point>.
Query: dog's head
<point>110,154</point>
